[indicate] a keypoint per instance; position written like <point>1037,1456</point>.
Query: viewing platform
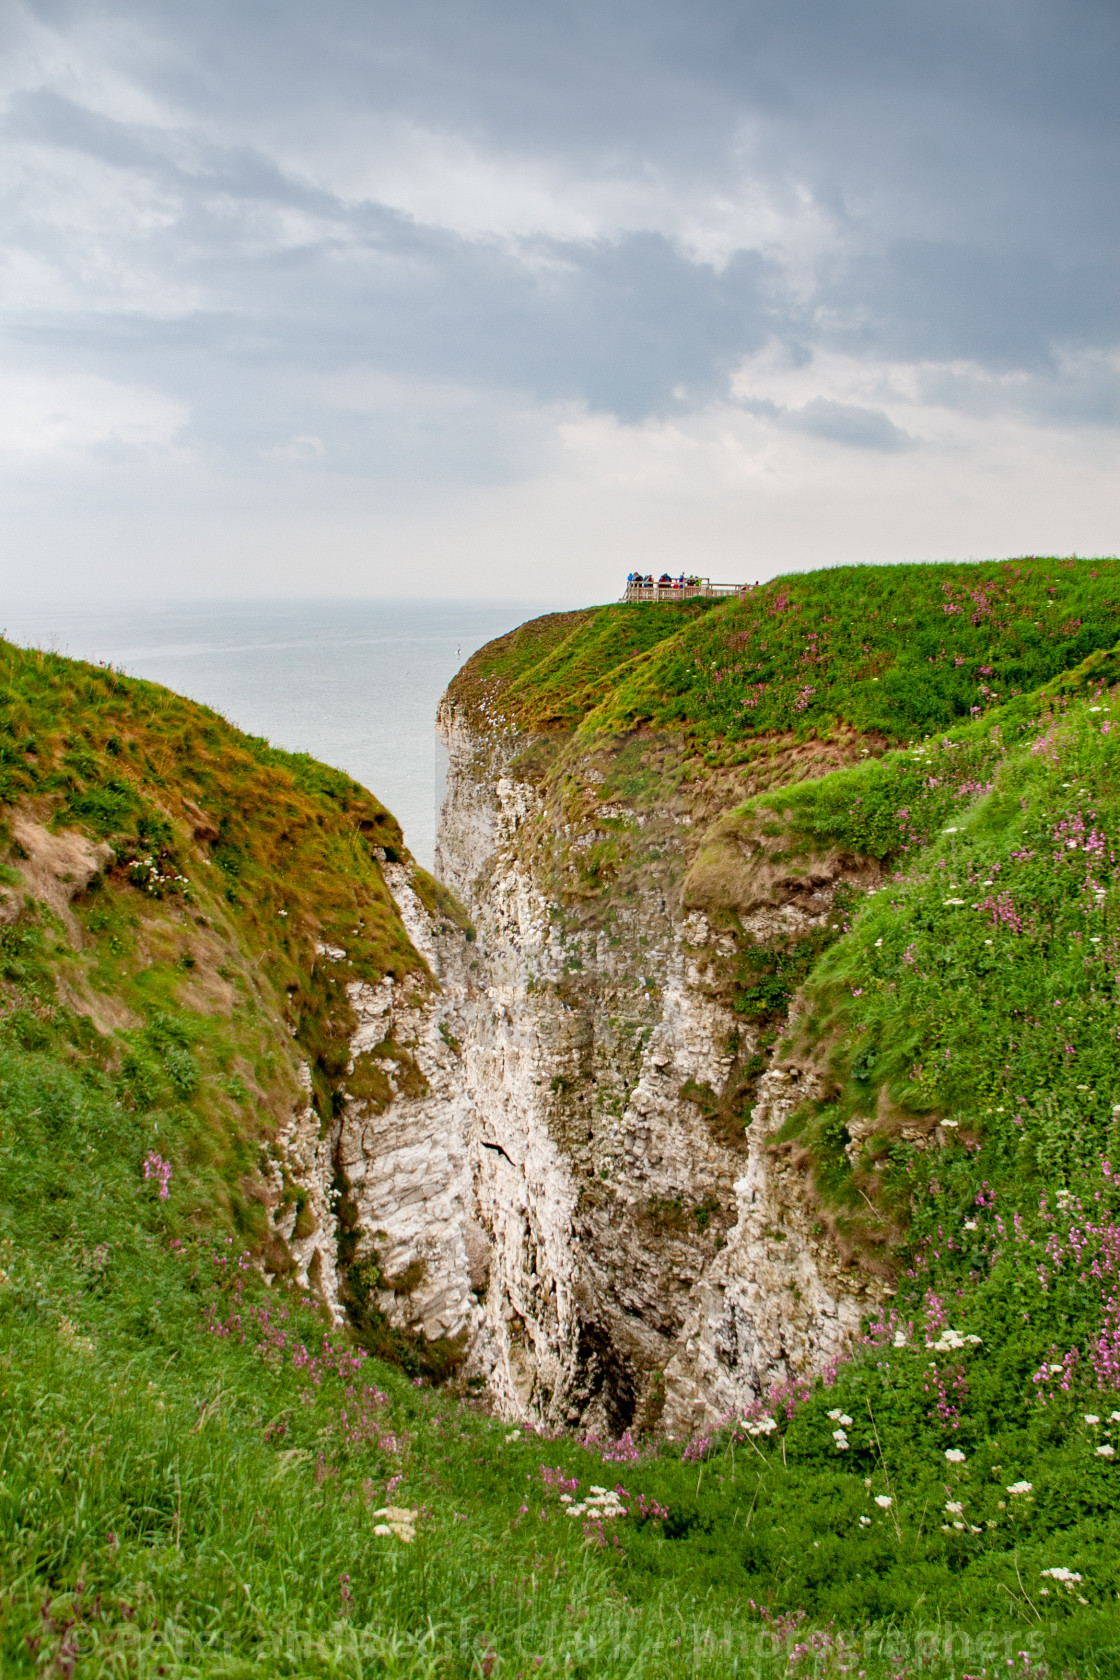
<point>694,589</point>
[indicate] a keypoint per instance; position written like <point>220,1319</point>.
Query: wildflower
<point>1091,1417</point>
<point>396,1519</point>
<point>1114,1417</point>
<point>865,1522</point>
<point>1066,1576</point>
<point>952,1340</point>
<point>1106,1451</point>
<point>954,1507</point>
<point>515,1436</point>
<point>68,1330</point>
<point>954,1455</point>
<point>1021,1487</point>
<point>840,1417</point>
<point>156,1167</point>
<point>970,1224</point>
<point>899,1339</point>
<point>841,1440</point>
<point>884,1501</point>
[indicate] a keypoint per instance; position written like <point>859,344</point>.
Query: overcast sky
<point>506,298</point>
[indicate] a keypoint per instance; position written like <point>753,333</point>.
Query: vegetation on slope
<point>891,651</point>
<point>227,853</point>
<point>972,1003</point>
<point>197,1478</point>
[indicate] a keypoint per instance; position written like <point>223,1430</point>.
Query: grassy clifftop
<point>889,650</point>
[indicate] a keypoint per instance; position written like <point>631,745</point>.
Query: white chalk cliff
<point>576,1184</point>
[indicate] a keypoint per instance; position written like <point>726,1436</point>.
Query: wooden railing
<point>683,592</point>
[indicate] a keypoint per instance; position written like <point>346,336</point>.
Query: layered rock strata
<point>388,1187</point>
<point>570,1174</point>
<point>650,1261</point>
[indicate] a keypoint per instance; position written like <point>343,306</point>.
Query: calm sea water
<point>355,683</point>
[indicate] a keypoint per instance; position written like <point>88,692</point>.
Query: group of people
<point>635,580</point>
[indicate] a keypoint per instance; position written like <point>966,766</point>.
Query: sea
<point>353,682</point>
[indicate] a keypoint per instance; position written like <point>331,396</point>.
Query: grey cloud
<point>960,158</point>
<point>837,422</point>
<point>1008,308</point>
<point>862,428</point>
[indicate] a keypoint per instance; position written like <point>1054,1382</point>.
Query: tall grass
<point>199,1477</point>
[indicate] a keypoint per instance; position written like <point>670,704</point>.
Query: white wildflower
<point>954,1455</point>
<point>1114,1417</point>
<point>841,1440</point>
<point>954,1507</point>
<point>1062,1574</point>
<point>970,1224</point>
<point>951,1341</point>
<point>1106,1451</point>
<point>884,1501</point>
<point>398,1520</point>
<point>865,1522</point>
<point>1021,1487</point>
<point>1091,1417</point>
<point>899,1339</point>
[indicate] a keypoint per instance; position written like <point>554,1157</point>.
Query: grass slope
<point>194,1474</point>
<point>888,650</point>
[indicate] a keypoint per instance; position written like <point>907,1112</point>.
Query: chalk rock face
<point>405,1166</point>
<point>650,1262</point>
<point>304,1158</point>
<point>387,1189</point>
<point>554,1151</point>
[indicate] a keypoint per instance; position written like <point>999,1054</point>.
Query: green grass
<point>978,985</point>
<point>191,1465</point>
<point>267,855</point>
<point>892,651</point>
<point>190,1468</point>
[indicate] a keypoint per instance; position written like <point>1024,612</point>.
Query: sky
<point>507,297</point>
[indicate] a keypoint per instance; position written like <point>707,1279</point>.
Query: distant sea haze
<point>355,683</point>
